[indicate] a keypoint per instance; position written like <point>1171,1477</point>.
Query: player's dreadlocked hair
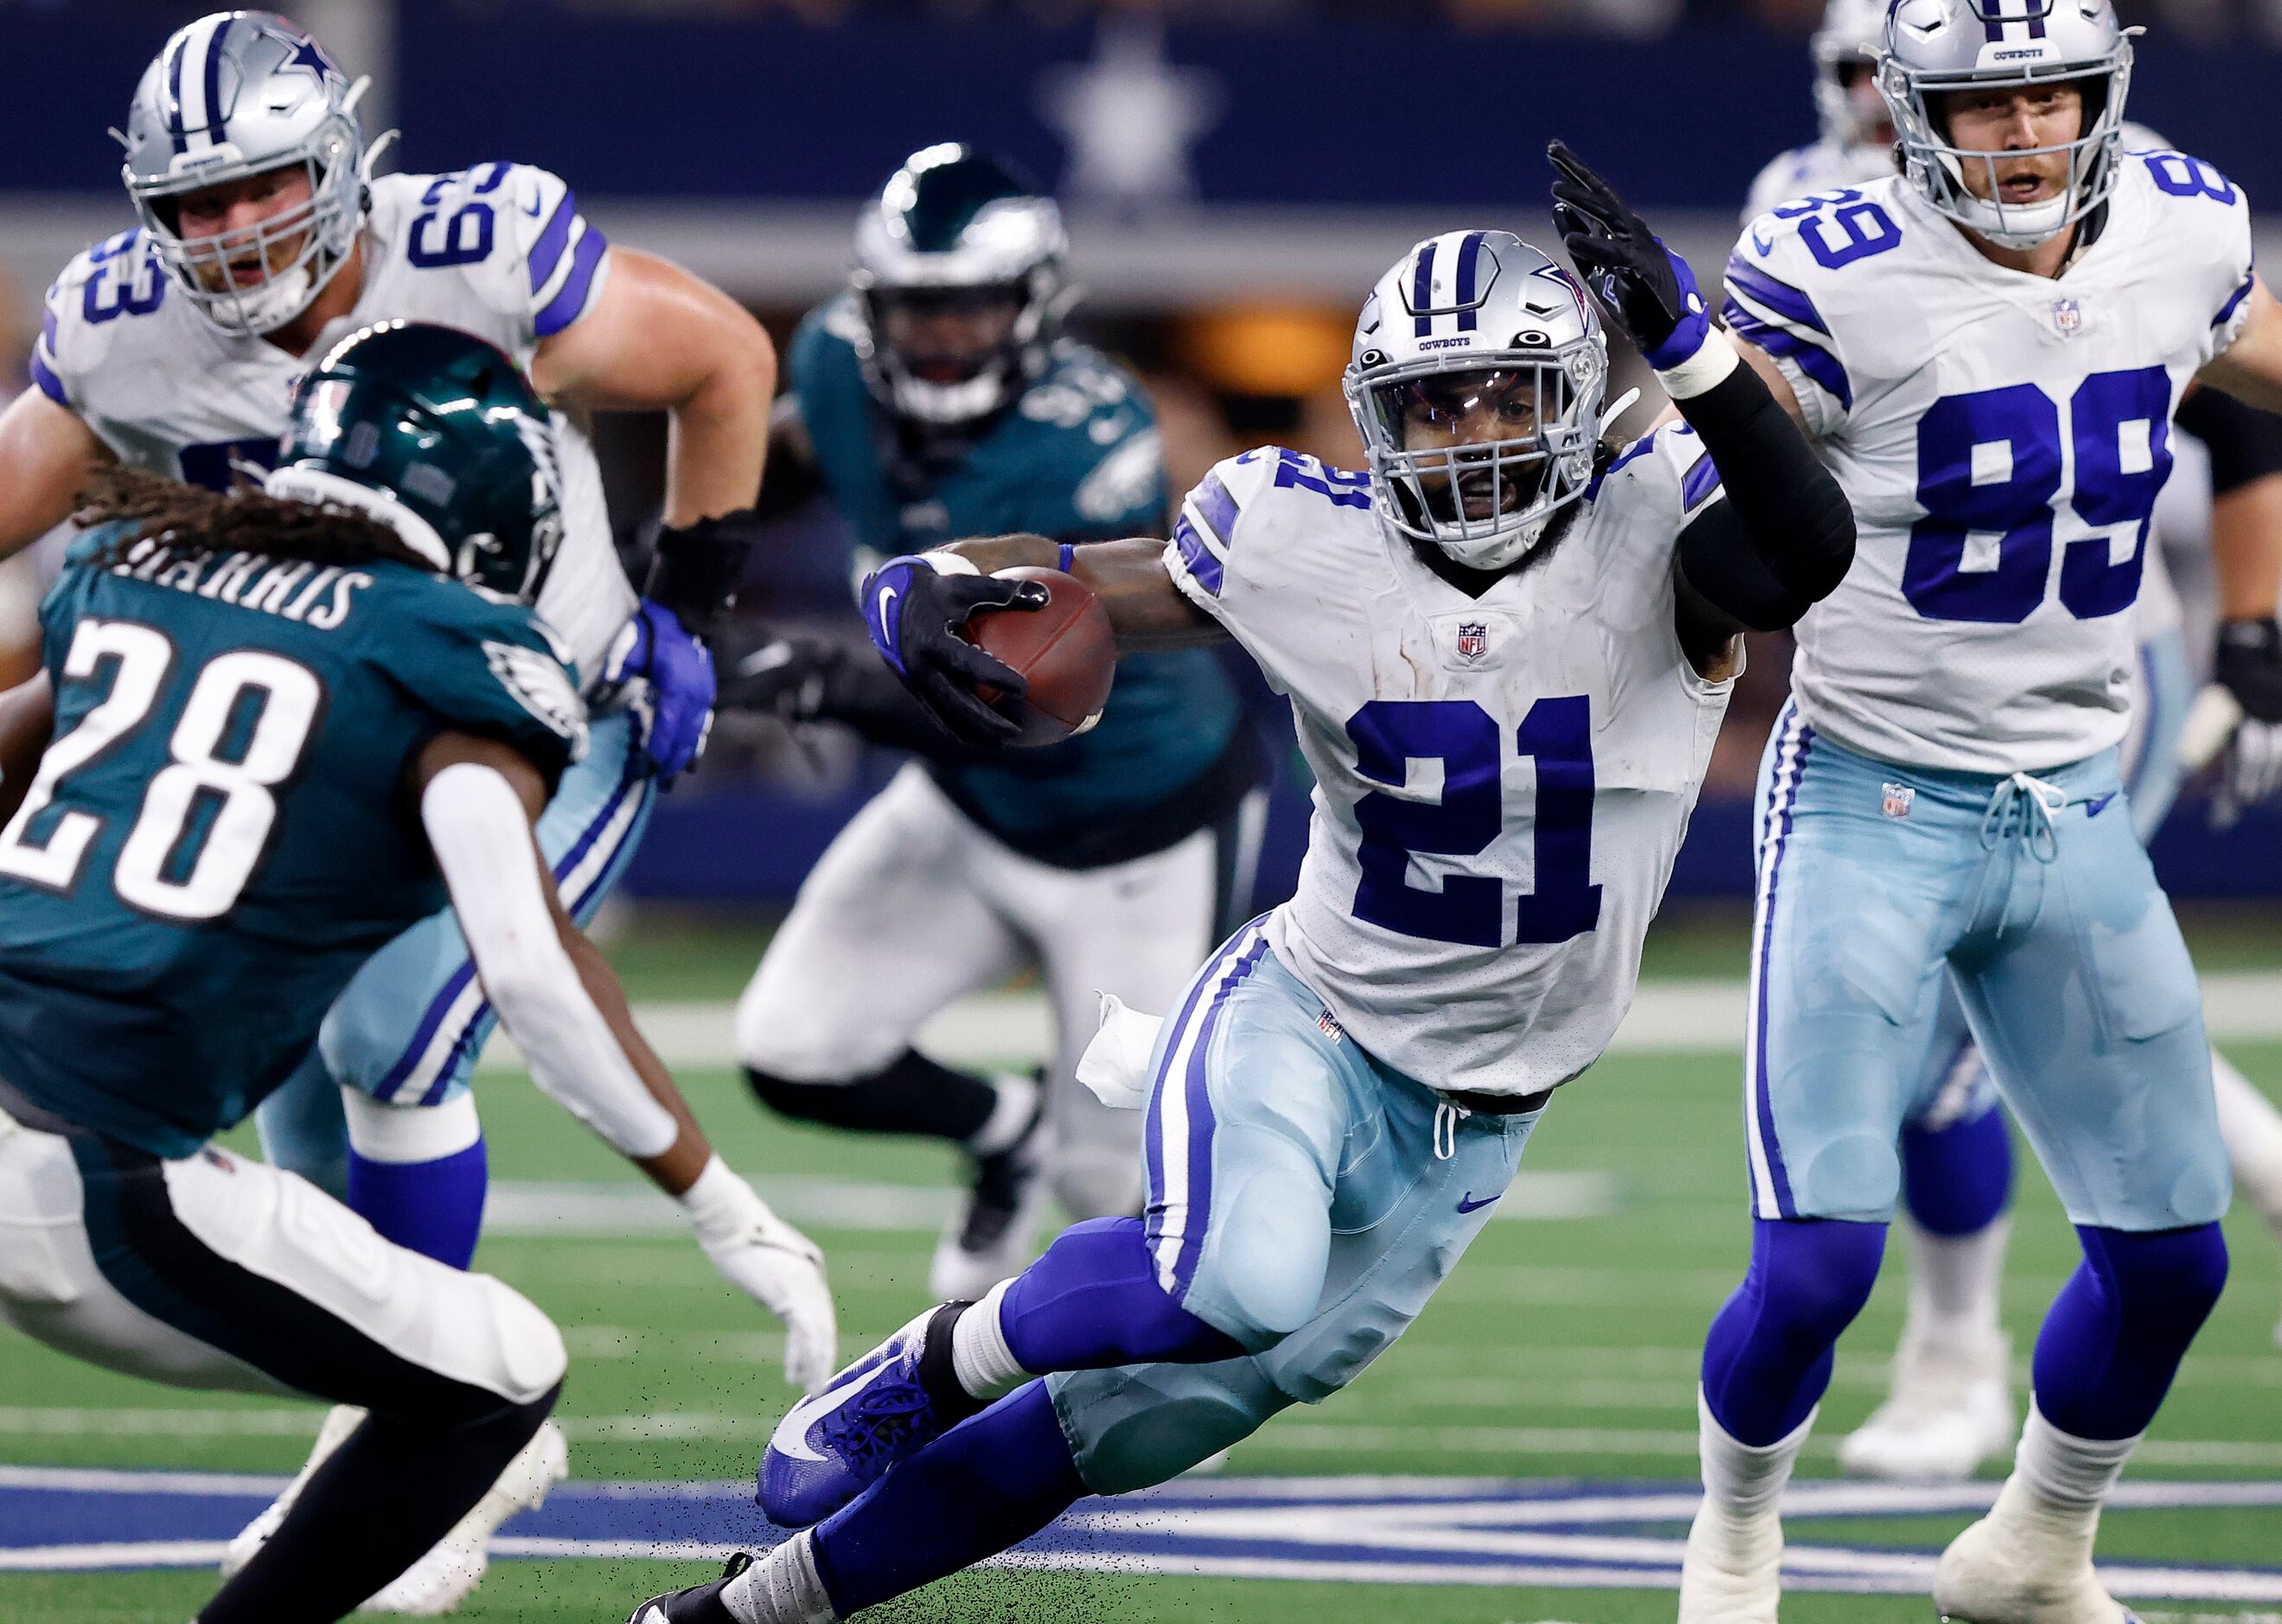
<point>193,519</point>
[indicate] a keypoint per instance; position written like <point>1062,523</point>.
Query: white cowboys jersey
<point>1826,165</point>
<point>1502,782</point>
<point>2002,438</point>
<point>500,250</point>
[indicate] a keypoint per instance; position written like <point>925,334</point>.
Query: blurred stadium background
<point>1237,172</point>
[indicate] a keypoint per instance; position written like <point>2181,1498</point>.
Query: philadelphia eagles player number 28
<point>283,732</point>
<point>1508,646</point>
<point>173,348</point>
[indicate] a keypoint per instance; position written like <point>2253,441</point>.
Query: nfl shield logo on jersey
<point>2068,315</point>
<point>1897,799</point>
<point>1473,639</point>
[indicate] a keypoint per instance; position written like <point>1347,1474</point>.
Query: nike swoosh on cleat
<point>1467,1203</point>
<point>2093,809</point>
<point>791,1437</point>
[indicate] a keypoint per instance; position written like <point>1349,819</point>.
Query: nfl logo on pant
<point>1473,639</point>
<point>1897,799</point>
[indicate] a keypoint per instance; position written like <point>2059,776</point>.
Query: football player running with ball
<point>1988,348</point>
<point>174,347</point>
<point>287,727</point>
<point>1508,645</point>
<point>1950,1406</point>
<point>939,398</point>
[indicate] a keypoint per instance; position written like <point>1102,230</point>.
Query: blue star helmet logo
<point>308,54</point>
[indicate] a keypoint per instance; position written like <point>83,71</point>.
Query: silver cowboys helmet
<point>955,229</point>
<point>1852,35</point>
<point>1478,326</point>
<point>235,94</point>
<point>1934,47</point>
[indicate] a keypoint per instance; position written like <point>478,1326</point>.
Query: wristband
<point>1705,371</point>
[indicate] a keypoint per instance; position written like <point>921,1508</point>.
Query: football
<point>1066,651</point>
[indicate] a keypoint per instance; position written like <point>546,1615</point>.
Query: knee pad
<point>784,1037</point>
<point>1261,1275</point>
<point>1147,1424</point>
<point>528,1359</point>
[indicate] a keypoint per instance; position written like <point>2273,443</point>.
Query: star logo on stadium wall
<point>1130,118</point>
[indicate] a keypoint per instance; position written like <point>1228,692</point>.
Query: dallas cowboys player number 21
<point>1508,645</point>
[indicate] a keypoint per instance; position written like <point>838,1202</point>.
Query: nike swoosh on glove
<point>913,605</point>
<point>675,696</point>
<point>772,1263</point>
<point>1648,289</point>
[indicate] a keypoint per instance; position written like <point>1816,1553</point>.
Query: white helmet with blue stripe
<point>1935,48</point>
<point>1473,330</point>
<point>236,94</point>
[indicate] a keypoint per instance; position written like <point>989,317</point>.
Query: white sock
<point>1745,1480</point>
<point>782,1588</point>
<point>1018,1102</point>
<point>1954,1284</point>
<point>985,1366</point>
<point>2070,1474</point>
<point>2252,1128</point>
<point>402,1134</point>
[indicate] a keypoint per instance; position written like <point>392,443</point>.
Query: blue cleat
<point>831,1447</point>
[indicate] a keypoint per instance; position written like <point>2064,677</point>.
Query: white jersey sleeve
<point>2203,221</point>
<point>526,250</point>
<point>1251,535</point>
<point>1771,298</point>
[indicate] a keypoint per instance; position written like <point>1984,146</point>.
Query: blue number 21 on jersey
<point>1558,734</point>
<point>1990,477</point>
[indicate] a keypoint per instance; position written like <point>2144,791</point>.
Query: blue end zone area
<point>1360,1530</point>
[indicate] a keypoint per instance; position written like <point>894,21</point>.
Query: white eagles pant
<point>214,1272</point>
<point>913,905</point>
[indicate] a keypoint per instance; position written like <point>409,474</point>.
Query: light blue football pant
<point>1955,1087</point>
<point>1303,1199</point>
<point>408,1028</point>
<point>1877,884</point>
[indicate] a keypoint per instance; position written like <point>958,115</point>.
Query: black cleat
<point>700,1603</point>
<point>990,1241</point>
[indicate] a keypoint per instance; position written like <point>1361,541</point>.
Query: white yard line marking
<point>569,1211</point>
<point>1667,1017</point>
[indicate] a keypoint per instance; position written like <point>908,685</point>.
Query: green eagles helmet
<point>956,232</point>
<point>439,436</point>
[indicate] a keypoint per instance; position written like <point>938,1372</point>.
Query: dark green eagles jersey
<point>1077,459</point>
<point>222,830</point>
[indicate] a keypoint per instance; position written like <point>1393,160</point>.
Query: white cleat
<point>1733,1571</point>
<point>1950,1408</point>
<point>2025,1563</point>
<point>340,1421</point>
<point>448,1575</point>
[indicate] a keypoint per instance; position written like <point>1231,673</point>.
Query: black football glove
<point>1644,285</point>
<point>2248,665</point>
<point>788,678</point>
<point>911,609</point>
<point>696,568</point>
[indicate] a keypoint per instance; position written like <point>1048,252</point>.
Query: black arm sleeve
<point>1783,538</point>
<point>2245,442</point>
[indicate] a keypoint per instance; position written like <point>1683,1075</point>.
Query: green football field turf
<point>1564,1346</point>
